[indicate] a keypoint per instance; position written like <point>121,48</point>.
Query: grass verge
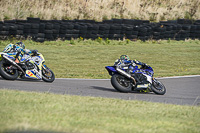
<point>34,112</point>
<point>87,59</point>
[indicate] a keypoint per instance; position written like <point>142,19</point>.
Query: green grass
<point>30,111</point>
<point>87,59</point>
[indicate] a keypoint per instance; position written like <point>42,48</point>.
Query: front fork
<point>44,68</point>
<point>153,80</point>
<point>46,71</point>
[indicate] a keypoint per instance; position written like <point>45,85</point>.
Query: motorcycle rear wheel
<point>120,83</point>
<point>5,74</point>
<point>158,87</point>
<point>48,75</point>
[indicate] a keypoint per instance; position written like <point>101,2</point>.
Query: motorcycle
<point>132,78</point>
<point>31,67</point>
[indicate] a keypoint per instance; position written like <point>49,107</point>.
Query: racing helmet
<point>21,44</point>
<point>124,57</point>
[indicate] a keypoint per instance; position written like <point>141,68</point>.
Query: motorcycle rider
<point>19,47</point>
<point>124,61</point>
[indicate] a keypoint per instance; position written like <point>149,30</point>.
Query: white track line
<point>175,77</point>
<point>80,79</point>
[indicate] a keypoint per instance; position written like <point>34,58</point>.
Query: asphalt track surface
<point>180,90</point>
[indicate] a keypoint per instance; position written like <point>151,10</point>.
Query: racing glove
<point>34,52</point>
<point>145,65</point>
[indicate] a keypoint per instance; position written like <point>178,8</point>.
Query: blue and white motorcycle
<point>131,78</point>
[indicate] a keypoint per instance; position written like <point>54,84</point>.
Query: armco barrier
<point>41,30</point>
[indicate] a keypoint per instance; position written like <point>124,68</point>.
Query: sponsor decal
<point>30,74</point>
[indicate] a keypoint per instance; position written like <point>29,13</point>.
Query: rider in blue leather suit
<point>125,61</point>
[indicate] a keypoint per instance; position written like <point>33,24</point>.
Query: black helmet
<point>21,44</point>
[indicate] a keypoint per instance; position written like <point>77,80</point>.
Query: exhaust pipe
<point>14,63</point>
<point>126,74</point>
<point>123,73</point>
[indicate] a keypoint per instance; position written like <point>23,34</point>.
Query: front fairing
<point>38,60</point>
<point>147,71</point>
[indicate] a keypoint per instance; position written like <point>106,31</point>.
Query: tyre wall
<point>115,29</point>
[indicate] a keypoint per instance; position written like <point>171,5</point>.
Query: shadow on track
<point>113,90</point>
<point>104,89</point>
<point>21,79</point>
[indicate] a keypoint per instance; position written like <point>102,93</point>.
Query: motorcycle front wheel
<point>6,72</point>
<point>158,87</point>
<point>120,83</point>
<point>47,74</point>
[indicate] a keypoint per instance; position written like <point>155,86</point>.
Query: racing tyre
<point>6,73</point>
<point>121,83</point>
<point>158,87</point>
<point>47,74</point>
